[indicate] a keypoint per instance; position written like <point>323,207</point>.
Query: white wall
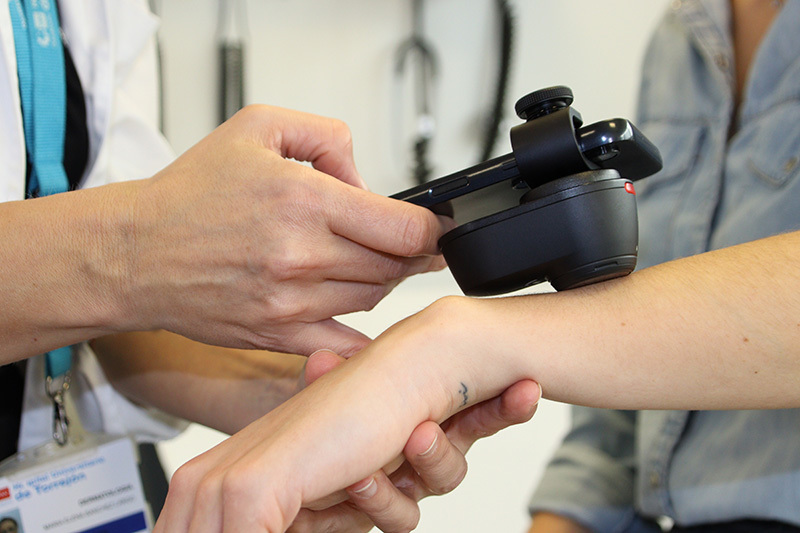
<point>336,58</point>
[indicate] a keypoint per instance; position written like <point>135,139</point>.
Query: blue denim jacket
<point>726,180</point>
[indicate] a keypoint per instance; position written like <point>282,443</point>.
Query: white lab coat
<point>112,43</point>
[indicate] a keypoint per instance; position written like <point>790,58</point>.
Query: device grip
<point>546,148</point>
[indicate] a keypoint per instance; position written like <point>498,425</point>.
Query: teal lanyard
<point>43,91</point>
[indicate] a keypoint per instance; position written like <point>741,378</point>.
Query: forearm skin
<point>222,388</point>
<point>65,272</point>
<point>716,331</point>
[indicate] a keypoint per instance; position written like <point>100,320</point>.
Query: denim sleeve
<point>591,477</point>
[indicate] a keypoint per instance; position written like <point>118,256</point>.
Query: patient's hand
<point>346,425</point>
<point>434,462</point>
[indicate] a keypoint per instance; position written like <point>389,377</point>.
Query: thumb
<point>324,142</point>
<point>320,363</point>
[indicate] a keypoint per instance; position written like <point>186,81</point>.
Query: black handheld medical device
<point>560,207</point>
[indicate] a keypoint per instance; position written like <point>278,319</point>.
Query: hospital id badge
<point>91,486</point>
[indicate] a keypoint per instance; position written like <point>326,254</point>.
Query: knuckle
<point>235,484</point>
<point>372,296</point>
<point>286,308</point>
<point>396,268</point>
<point>414,232</point>
<point>341,131</point>
<point>289,262</point>
<point>283,263</point>
<point>192,482</point>
<point>185,478</point>
<point>207,491</point>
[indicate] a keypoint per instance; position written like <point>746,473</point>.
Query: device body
<point>580,231</point>
<point>560,208</point>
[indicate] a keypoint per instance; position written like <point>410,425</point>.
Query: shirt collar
<point>709,23</point>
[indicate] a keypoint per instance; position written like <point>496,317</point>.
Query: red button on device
<point>629,188</point>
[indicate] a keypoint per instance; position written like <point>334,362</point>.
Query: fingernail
<point>322,350</point>
<point>367,491</point>
<point>541,393</point>
<point>431,447</point>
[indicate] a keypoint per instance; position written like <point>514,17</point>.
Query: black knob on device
<point>543,102</point>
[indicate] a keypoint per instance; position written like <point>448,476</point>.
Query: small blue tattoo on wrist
<point>464,392</point>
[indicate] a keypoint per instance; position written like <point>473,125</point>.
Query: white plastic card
<point>90,487</point>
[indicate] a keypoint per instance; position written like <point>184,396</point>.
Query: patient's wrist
<point>443,340</point>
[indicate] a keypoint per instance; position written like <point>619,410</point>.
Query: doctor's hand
<point>434,462</point>
<point>238,244</point>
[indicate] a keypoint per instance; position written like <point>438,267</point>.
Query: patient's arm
<point>719,330</point>
<point>227,389</point>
